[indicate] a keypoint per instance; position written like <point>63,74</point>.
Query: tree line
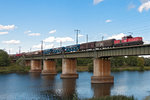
<point>131,61</point>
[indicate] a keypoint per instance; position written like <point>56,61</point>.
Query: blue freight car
<point>72,48</point>
<point>47,51</point>
<point>58,50</point>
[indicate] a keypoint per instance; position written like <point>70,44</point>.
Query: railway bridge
<point>101,62</point>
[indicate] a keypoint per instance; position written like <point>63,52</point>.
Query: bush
<point>117,61</point>
<point>120,97</point>
<point>90,67</point>
<point>84,61</point>
<point>4,58</point>
<point>132,60</point>
<point>141,63</point>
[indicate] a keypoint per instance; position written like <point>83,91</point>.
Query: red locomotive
<point>128,40</point>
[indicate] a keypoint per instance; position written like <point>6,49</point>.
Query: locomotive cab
<point>126,37</point>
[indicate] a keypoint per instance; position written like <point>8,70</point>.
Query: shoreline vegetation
<point>114,97</point>
<point>129,63</point>
<point>15,68</point>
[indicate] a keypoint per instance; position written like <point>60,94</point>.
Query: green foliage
<point>4,58</point>
<point>117,61</point>
<point>75,97</point>
<point>120,97</point>
<point>131,60</point>
<point>14,68</point>
<point>90,67</point>
<point>141,63</point>
<point>84,61</point>
<point>147,61</point>
<point>58,62</point>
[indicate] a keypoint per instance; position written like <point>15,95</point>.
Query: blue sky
<point>26,23</point>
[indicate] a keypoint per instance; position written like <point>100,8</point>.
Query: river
<point>37,87</point>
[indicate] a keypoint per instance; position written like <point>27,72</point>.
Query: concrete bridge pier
<point>102,70</point>
<point>49,67</point>
<point>36,66</point>
<point>28,63</point>
<point>69,68</point>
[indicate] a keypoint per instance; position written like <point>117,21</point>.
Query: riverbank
<point>114,69</point>
<point>119,97</point>
<point>129,68</point>
<point>14,68</point>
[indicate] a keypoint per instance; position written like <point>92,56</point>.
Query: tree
<point>140,63</point>
<point>117,61</point>
<point>147,61</point>
<point>131,60</point>
<point>4,58</point>
<point>84,61</point>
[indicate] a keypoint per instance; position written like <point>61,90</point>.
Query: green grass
<point>14,68</point>
<point>114,69</point>
<point>129,68</point>
<point>114,98</point>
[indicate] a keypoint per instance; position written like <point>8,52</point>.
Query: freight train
<point>126,41</point>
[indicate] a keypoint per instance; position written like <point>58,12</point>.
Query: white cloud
<point>143,1</point>
<point>144,6</point>
<point>97,1</point>
<point>108,21</point>
<point>7,27</point>
<point>117,36</point>
<point>80,35</point>
<point>27,31</point>
<point>34,34</point>
<point>2,33</point>
<point>45,46</point>
<point>52,31</point>
<point>58,39</point>
<point>146,42</point>
<point>37,46</point>
<point>64,39</point>
<point>49,39</point>
<point>48,46</point>
<point>11,42</point>
<point>131,6</point>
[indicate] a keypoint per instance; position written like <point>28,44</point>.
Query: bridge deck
<point>107,52</point>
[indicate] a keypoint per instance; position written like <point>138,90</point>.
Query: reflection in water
<point>35,75</point>
<point>34,86</point>
<point>48,88</point>
<point>68,89</point>
<point>64,92</point>
<point>48,81</point>
<point>101,90</point>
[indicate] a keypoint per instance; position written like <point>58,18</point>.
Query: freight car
<point>125,41</point>
<point>86,46</point>
<point>105,43</point>
<point>72,48</point>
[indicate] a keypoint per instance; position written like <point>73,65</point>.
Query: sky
<point>25,23</point>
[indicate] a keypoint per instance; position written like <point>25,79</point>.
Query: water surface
<point>34,86</point>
